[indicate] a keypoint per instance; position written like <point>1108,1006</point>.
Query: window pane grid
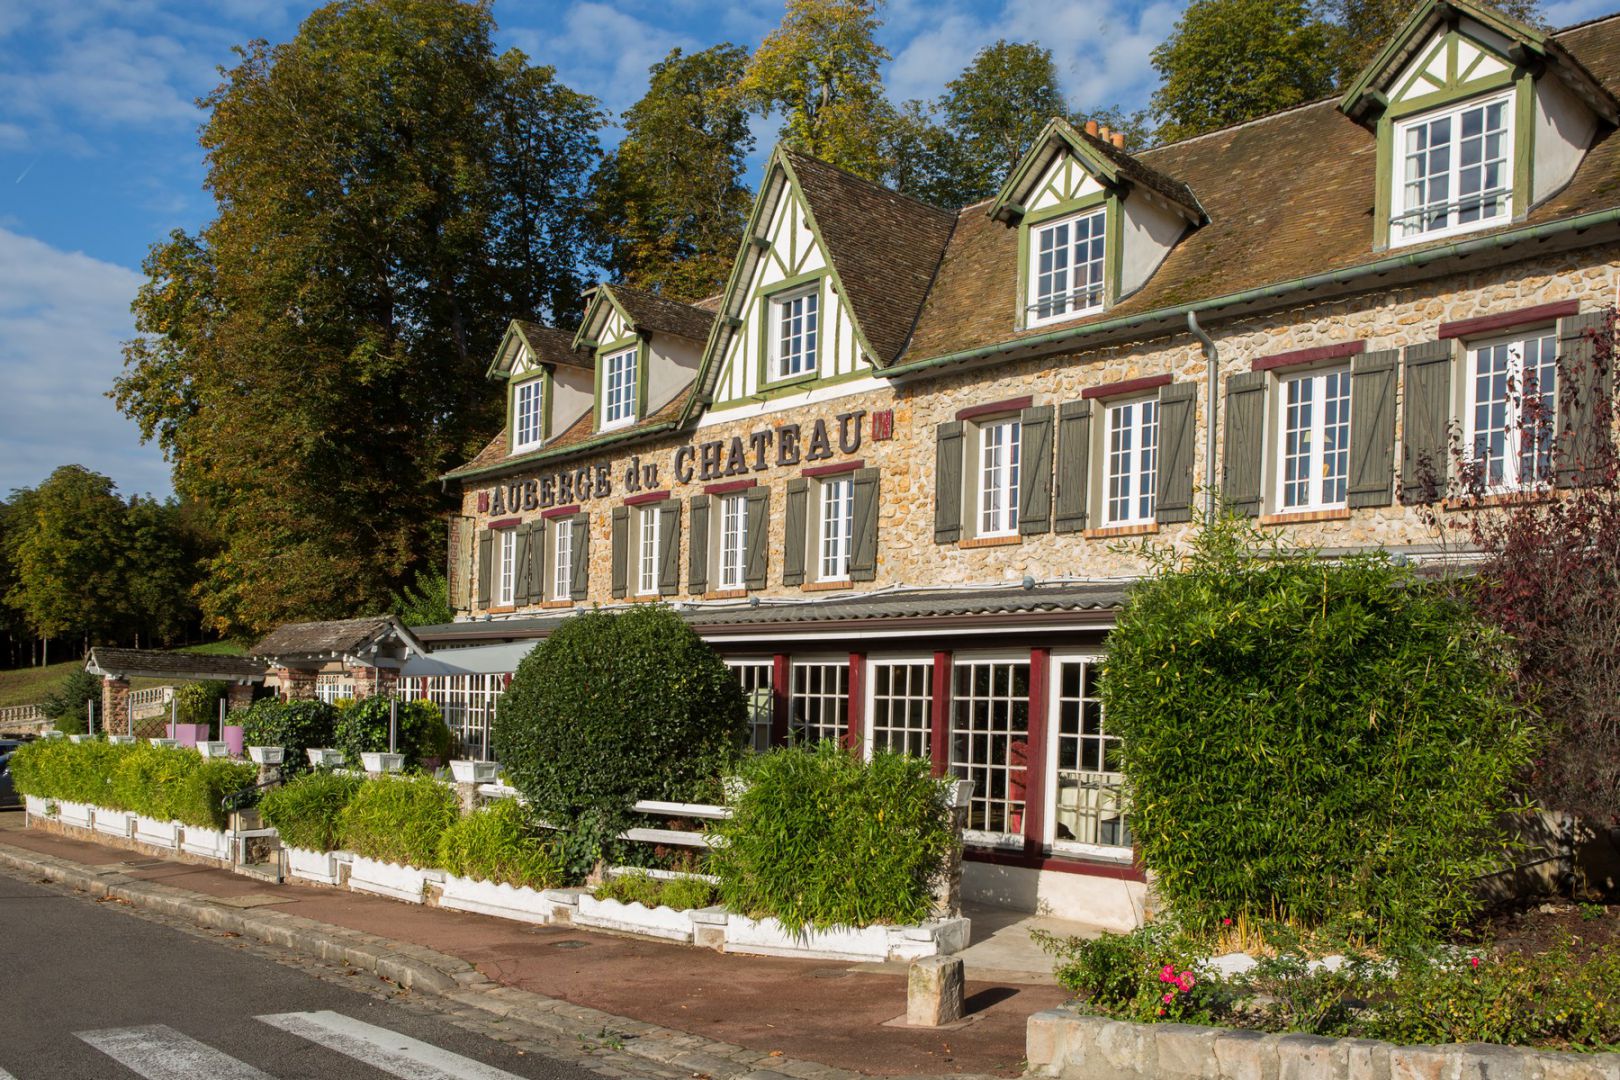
<point>527,414</point>
<point>1090,786</point>
<point>837,523</point>
<point>647,564</point>
<point>1512,389</point>
<point>990,741</point>
<point>902,707</point>
<point>999,446</point>
<point>1316,440</point>
<point>818,705</point>
<point>1133,448</point>
<point>508,570</point>
<point>562,561</point>
<point>733,541</point>
<point>755,678</point>
<point>468,703</point>
<point>796,319</point>
<point>1455,169</point>
<point>619,387</point>
<point>1068,270</point>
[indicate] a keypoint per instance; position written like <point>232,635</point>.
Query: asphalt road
<point>89,992</point>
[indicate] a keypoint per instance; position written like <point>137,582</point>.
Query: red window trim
<point>1507,320</point>
<point>1016,404</point>
<point>1295,357</point>
<point>730,486</point>
<point>506,523</point>
<point>646,497</point>
<point>560,511</point>
<point>1129,386</point>
<point>834,469</point>
<point>1057,864</point>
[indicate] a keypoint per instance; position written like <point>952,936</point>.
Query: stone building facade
<point>891,471</point>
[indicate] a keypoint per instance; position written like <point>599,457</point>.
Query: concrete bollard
<point>934,991</point>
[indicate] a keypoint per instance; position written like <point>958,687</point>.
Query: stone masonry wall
<point>907,553</point>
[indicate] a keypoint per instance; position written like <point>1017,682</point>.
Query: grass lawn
<point>29,685</point>
<point>216,648</point>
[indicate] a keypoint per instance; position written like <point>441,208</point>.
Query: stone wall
<point>907,553</point>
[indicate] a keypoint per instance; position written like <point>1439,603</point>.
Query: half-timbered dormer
<point>646,350</point>
<point>548,384</point>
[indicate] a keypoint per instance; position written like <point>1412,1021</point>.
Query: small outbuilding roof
<point>334,638</point>
<point>162,664</point>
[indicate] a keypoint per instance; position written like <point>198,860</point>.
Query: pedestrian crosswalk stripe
<point>158,1052</point>
<point>399,1055</point>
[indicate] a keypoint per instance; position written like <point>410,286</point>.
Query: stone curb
<point>423,970</point>
<point>1072,1045</point>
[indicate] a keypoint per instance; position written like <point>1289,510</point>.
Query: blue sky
<point>98,153</point>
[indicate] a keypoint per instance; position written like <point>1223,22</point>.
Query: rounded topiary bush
<point>1320,741</point>
<point>613,708</point>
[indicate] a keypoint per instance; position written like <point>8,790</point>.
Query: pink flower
<point>1186,980</point>
<point>1473,961</point>
<point>1226,922</point>
<point>1167,973</point>
<point>1171,996</point>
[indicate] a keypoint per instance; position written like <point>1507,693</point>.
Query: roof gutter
<point>1389,264</point>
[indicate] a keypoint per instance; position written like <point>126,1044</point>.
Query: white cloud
<point>602,50</point>
<point>63,316</point>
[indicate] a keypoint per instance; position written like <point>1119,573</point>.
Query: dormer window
<point>795,331</point>
<point>619,387</point>
<point>526,427</point>
<point>1066,266</point>
<point>1456,172</point>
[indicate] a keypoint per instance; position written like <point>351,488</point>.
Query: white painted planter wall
<point>317,866</point>
<point>37,807</point>
<point>659,922</point>
<point>767,937</point>
<point>390,879</point>
<point>209,843</point>
<point>504,901</point>
<point>73,813</point>
<point>112,822</point>
<point>164,834</point>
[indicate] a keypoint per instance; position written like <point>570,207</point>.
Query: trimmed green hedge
<point>823,838</point>
<point>399,819</point>
<point>362,727</point>
<point>296,726</point>
<point>169,784</point>
<point>1310,740</point>
<point>612,708</point>
<point>308,812</point>
<point>501,843</point>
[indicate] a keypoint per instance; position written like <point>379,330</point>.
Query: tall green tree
<point>67,555</point>
<point>1364,26</point>
<point>820,70</point>
<point>389,192</point>
<point>1227,61</point>
<point>994,110</point>
<point>670,199</point>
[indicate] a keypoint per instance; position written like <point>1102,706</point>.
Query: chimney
<point>1119,139</point>
<point>1106,135</point>
<point>1091,127</point>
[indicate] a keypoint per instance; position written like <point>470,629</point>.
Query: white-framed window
<point>899,705</point>
<point>506,575</point>
<point>562,559</point>
<point>795,329</point>
<point>998,477</point>
<point>1453,170</point>
<point>647,553</point>
<point>1066,267</point>
<point>990,744</point>
<point>1313,470</point>
<point>836,523</point>
<point>619,387</point>
<point>732,571</point>
<point>1131,461</point>
<point>526,398</point>
<point>818,700</point>
<point>1085,779</point>
<point>756,679</point>
<point>468,704</point>
<point>1509,410</point>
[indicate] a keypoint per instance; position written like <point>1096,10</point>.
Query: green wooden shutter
<point>1173,501</point>
<point>580,554</point>
<point>948,482</point>
<point>621,550</point>
<point>1035,470</point>
<point>759,527</point>
<point>793,540</point>
<point>669,547</point>
<point>1582,442</point>
<point>521,571</point>
<point>697,563</point>
<point>1372,429</point>
<point>1426,421</point>
<point>537,563</point>
<point>1073,466</point>
<point>486,563</point>
<point>1243,463</point>
<point>864,542</point>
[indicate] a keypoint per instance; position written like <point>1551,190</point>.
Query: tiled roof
<point>552,346</point>
<point>651,312</point>
<point>156,663</point>
<point>884,246</point>
<point>1288,195</point>
<point>321,638</point>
